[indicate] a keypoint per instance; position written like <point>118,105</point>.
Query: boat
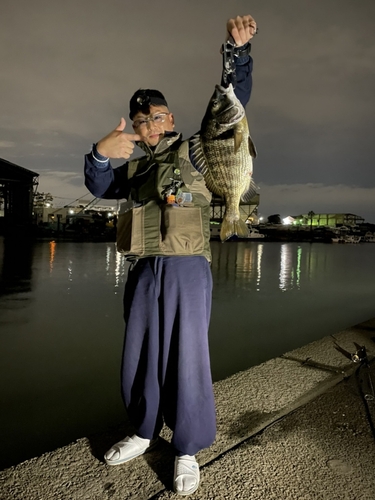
<point>348,238</point>
<point>254,234</point>
<point>353,238</point>
<point>369,237</point>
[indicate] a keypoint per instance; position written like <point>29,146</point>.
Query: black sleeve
<point>241,78</point>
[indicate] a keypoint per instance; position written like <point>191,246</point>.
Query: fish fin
<point>230,228</point>
<point>252,148</point>
<point>197,154</point>
<point>210,183</point>
<point>238,136</point>
<point>250,192</point>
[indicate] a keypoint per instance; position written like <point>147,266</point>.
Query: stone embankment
<point>298,427</point>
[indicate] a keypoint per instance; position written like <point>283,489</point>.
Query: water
<point>62,327</point>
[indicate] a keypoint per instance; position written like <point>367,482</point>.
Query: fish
<point>223,151</point>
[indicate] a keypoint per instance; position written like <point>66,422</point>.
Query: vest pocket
<point>130,231</point>
<point>181,230</point>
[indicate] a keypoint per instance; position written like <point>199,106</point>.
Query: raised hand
<point>118,144</point>
<point>241,29</point>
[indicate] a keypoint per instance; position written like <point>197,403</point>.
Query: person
<point>164,231</point>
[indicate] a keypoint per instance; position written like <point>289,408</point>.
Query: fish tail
<point>230,227</point>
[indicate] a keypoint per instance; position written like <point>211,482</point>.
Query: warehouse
<point>17,185</point>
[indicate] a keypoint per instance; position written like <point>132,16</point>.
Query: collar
<point>166,142</point>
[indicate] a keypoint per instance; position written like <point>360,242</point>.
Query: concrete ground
<point>298,427</point>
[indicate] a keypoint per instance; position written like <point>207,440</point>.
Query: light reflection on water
<point>52,249</point>
<point>247,263</point>
<point>62,326</point>
<point>235,265</point>
<point>290,267</point>
<point>259,265</point>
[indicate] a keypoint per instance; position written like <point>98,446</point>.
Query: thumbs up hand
<point>118,144</point>
<point>121,126</point>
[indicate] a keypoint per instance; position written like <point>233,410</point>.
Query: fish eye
<point>215,102</point>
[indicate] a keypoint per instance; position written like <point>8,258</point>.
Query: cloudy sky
<point>69,68</point>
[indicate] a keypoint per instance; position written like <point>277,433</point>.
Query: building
<point>17,186</point>
<point>330,220</point>
<point>47,213</point>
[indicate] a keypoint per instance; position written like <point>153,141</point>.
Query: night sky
<point>69,68</point>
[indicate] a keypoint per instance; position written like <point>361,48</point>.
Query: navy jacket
<point>106,182</point>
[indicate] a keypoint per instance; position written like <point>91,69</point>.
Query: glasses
<point>157,118</point>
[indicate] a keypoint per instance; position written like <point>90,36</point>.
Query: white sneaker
<point>128,448</point>
<point>186,475</point>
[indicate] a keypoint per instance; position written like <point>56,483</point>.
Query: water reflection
<point>52,251</point>
<point>70,272</point>
<point>16,267</point>
<point>316,262</point>
<point>108,259</point>
<point>240,264</point>
<point>77,265</point>
<point>116,261</point>
<point>290,267</point>
<point>243,264</point>
<point>259,265</point>
<point>237,264</point>
<point>120,267</point>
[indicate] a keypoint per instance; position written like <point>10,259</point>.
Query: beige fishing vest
<point>154,228</point>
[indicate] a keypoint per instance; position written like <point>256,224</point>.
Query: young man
<point>166,374</point>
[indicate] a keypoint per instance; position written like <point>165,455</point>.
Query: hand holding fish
<point>241,29</point>
<point>117,144</point>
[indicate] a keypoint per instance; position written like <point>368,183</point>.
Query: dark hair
<point>143,98</point>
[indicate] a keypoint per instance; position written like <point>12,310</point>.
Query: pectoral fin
<point>252,149</point>
<point>238,136</point>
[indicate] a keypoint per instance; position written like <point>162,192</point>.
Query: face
<point>151,131</point>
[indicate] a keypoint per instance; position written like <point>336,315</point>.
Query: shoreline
<point>249,405</point>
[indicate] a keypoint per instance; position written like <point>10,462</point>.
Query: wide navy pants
<point>166,370</point>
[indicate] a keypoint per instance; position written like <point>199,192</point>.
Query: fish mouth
<point>225,90</point>
<point>235,103</point>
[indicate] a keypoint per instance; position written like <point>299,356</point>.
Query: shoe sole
<point>185,493</point>
<point>119,462</point>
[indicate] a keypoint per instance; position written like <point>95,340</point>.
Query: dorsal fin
<point>197,154</point>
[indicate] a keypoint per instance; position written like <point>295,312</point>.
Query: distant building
<point>16,195</point>
<point>51,214</point>
<point>287,221</point>
<point>330,220</point>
